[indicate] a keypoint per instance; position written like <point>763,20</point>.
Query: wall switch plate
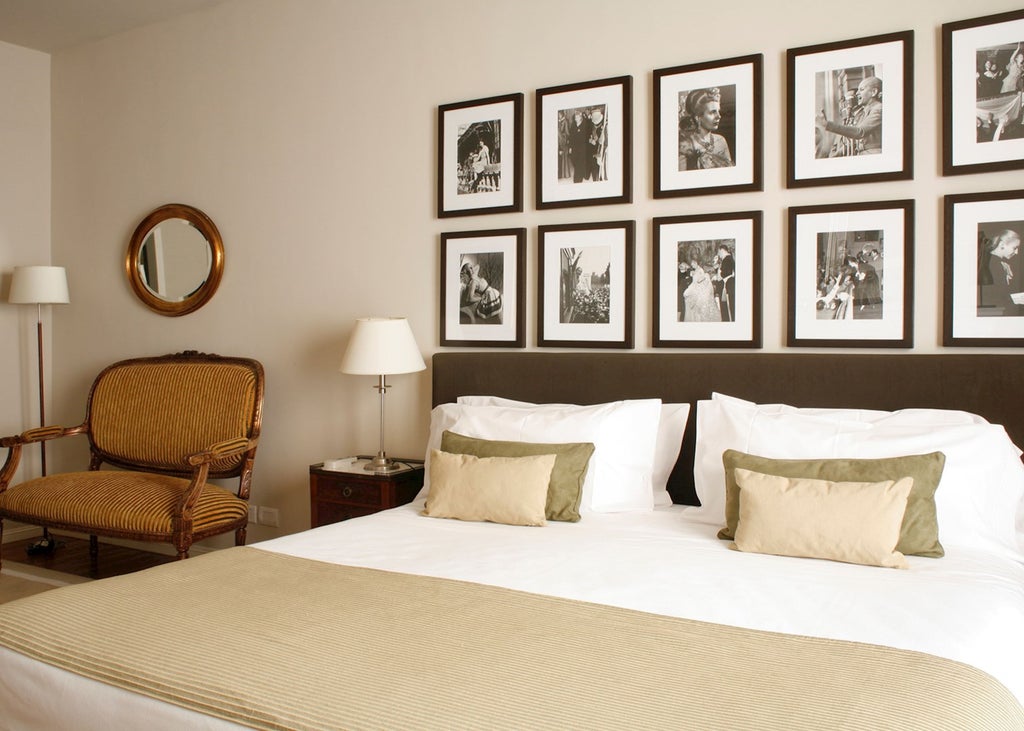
<point>269,516</point>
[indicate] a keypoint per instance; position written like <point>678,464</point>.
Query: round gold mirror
<point>175,260</point>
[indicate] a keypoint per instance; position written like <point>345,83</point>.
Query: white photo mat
<point>456,119</point>
<point>742,77</point>
<point>614,242</point>
<point>964,45</point>
<point>888,60</point>
<point>741,232</point>
<point>456,248</point>
<point>807,326</point>
<point>966,219</point>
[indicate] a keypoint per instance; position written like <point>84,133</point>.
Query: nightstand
<point>337,495</point>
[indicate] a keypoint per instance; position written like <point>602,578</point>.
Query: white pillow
<point>671,425</point>
<point>442,418</point>
<point>918,417</point>
<point>977,499</point>
<point>624,434</point>
<point>734,424</point>
<point>982,482</point>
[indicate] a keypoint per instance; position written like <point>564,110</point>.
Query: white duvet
<point>968,606</point>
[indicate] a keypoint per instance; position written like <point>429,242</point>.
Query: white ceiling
<point>53,25</point>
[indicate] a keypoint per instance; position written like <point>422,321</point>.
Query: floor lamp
<point>382,346</point>
<point>40,285</point>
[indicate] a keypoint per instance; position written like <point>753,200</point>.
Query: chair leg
<point>94,547</point>
<point>240,537</point>
<point>1,542</point>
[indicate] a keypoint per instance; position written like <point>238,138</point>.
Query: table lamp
<point>382,346</point>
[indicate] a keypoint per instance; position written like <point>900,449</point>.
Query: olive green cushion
<point>919,534</point>
<point>566,485</point>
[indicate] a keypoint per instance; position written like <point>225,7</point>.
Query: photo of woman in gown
<point>701,305</point>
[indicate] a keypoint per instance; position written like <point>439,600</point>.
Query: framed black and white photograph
<point>851,275</point>
<point>584,143</point>
<point>982,91</point>
<point>707,127</point>
<point>983,272</point>
<point>483,285</point>
<point>586,285</point>
<point>480,156</point>
<point>707,281</point>
<point>850,114</point>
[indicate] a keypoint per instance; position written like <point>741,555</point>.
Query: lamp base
<point>382,464</point>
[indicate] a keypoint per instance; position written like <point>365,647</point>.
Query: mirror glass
<point>175,259</point>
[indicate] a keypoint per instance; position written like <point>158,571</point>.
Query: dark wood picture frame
<point>732,279</point>
<point>835,138</point>
<point>833,303</point>
<point>982,120</point>
<point>730,158</point>
<point>479,159</point>
<point>983,270</point>
<point>586,302</point>
<point>584,137</point>
<point>467,301</point>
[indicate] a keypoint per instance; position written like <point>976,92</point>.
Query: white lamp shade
<point>382,346</point>
<point>39,285</point>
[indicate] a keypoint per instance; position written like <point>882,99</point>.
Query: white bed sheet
<point>968,606</point>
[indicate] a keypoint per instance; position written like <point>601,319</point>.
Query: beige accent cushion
<point>566,486</point>
<point>919,534</point>
<point>853,522</point>
<point>510,490</point>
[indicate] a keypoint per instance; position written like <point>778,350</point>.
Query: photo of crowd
<point>850,267</point>
<point>584,293</point>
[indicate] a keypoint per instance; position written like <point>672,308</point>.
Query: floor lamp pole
<point>42,390</point>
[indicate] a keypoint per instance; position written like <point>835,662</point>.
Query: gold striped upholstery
<point>154,414</point>
<point>161,427</point>
<point>111,501</point>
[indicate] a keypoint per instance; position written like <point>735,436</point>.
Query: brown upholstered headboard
<point>989,385</point>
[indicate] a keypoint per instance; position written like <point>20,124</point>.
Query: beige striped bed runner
<point>277,642</point>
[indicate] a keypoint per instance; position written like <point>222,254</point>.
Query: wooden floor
<point>72,557</point>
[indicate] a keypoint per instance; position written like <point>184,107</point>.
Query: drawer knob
<point>347,491</point>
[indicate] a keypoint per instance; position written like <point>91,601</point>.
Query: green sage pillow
<point>919,534</point>
<point>571,461</point>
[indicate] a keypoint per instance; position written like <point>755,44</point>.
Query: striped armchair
<point>163,426</point>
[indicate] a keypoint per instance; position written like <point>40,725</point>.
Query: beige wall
<point>307,130</point>
<point>24,227</point>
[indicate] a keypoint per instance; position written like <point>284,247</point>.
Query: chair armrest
<point>220,450</point>
<point>39,434</point>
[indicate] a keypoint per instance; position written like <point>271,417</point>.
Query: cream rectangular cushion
<point>853,522</point>
<point>511,490</point>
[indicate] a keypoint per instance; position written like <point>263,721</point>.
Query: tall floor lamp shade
<point>382,346</point>
<point>39,285</point>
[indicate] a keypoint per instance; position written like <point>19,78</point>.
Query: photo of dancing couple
<point>850,275</point>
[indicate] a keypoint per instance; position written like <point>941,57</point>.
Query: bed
<point>636,615</point>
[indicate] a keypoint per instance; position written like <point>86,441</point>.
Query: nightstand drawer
<point>337,512</point>
<point>351,492</point>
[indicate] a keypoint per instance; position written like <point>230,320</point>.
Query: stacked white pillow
<point>978,496</point>
<point>671,425</point>
<point>624,434</point>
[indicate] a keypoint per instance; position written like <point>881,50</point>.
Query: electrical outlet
<point>269,516</point>
<point>254,514</point>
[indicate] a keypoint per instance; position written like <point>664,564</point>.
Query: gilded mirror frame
<point>196,299</point>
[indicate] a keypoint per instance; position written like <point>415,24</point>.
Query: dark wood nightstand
<point>339,495</point>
